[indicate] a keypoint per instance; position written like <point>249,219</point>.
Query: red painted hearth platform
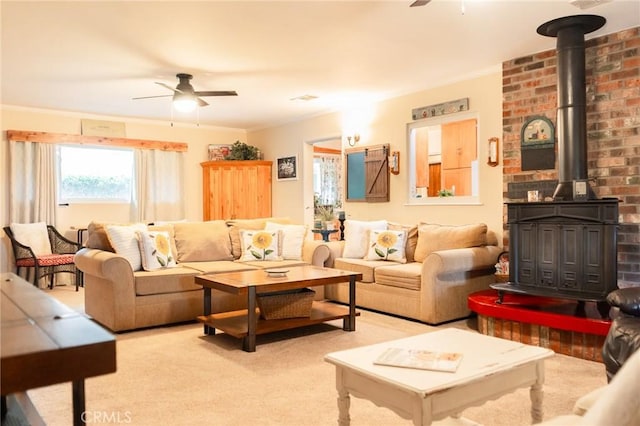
<point>565,326</point>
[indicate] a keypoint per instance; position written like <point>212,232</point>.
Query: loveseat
<point>426,277</point>
<point>122,293</point>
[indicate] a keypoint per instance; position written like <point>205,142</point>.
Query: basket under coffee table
<point>246,324</point>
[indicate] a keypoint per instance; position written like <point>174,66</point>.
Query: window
<point>443,160</point>
<point>92,174</point>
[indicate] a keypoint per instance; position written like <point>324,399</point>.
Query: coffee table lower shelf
<point>235,324</point>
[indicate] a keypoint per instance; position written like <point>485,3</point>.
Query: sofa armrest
<point>103,264</point>
<point>335,251</point>
<point>315,252</point>
<point>459,260</point>
<point>450,276</point>
<point>109,292</point>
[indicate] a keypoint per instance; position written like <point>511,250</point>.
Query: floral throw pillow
<point>387,245</point>
<point>259,245</point>
<point>155,250</point>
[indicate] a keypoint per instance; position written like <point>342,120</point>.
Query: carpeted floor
<point>176,375</point>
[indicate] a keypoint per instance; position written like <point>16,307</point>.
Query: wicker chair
<point>61,259</point>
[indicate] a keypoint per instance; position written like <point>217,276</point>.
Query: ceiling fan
<point>185,99</point>
<point>419,3</point>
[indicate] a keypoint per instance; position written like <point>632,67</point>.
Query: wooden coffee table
<point>45,342</point>
<point>490,368</point>
<point>246,324</point>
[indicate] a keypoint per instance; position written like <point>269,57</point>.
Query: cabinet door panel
<point>460,179</point>
<point>236,189</point>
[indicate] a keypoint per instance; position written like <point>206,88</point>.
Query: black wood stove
<point>566,248</point>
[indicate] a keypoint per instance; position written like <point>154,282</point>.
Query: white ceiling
<point>93,57</point>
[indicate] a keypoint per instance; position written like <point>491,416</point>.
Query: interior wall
<point>79,215</point>
<point>386,122</point>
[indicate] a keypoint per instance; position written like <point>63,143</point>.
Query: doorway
<point>324,185</point>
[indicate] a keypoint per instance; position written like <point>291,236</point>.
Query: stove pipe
<point>572,107</point>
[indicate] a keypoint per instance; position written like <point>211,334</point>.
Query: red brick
<point>565,342</point>
<point>589,347</point>
<point>535,334</point>
<point>554,340</point>
<point>577,345</point>
<point>497,327</point>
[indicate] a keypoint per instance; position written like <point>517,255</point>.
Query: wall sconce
<point>394,162</point>
<point>353,140</point>
<point>492,159</point>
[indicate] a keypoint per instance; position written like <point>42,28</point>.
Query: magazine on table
<point>420,358</point>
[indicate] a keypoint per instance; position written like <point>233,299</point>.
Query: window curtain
<point>32,182</point>
<point>158,187</point>
<point>327,178</point>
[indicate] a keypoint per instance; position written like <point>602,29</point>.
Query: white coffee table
<point>490,368</point>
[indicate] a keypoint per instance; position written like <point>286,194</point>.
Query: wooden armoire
<point>236,189</point>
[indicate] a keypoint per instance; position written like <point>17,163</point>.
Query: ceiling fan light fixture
<point>185,103</point>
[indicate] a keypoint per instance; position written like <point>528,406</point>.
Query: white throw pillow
<point>155,250</point>
<point>292,237</point>
<point>387,245</point>
<point>124,240</point>
<point>357,238</point>
<point>259,245</point>
<point>34,235</point>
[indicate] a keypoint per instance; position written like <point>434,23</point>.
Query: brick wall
<point>613,129</point>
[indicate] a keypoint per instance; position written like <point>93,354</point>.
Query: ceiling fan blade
<point>419,3</point>
<point>202,103</point>
<point>149,97</point>
<point>216,93</point>
<point>169,87</point>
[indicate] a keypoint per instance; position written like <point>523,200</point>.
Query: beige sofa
<point>122,298</point>
<point>442,266</point>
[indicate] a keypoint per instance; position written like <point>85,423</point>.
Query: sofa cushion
<point>97,236</point>
<point>412,238</point>
<point>365,267</point>
<point>235,225</point>
<point>387,245</point>
<point>171,280</point>
<point>259,245</point>
<point>202,241</point>
<point>155,250</point>
<point>404,276</point>
<point>124,239</point>
<point>433,237</point>
<point>356,236</point>
<point>291,239</point>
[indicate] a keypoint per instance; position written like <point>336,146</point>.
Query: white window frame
<point>62,199</point>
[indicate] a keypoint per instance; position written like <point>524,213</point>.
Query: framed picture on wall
<point>287,168</point>
<point>218,152</point>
